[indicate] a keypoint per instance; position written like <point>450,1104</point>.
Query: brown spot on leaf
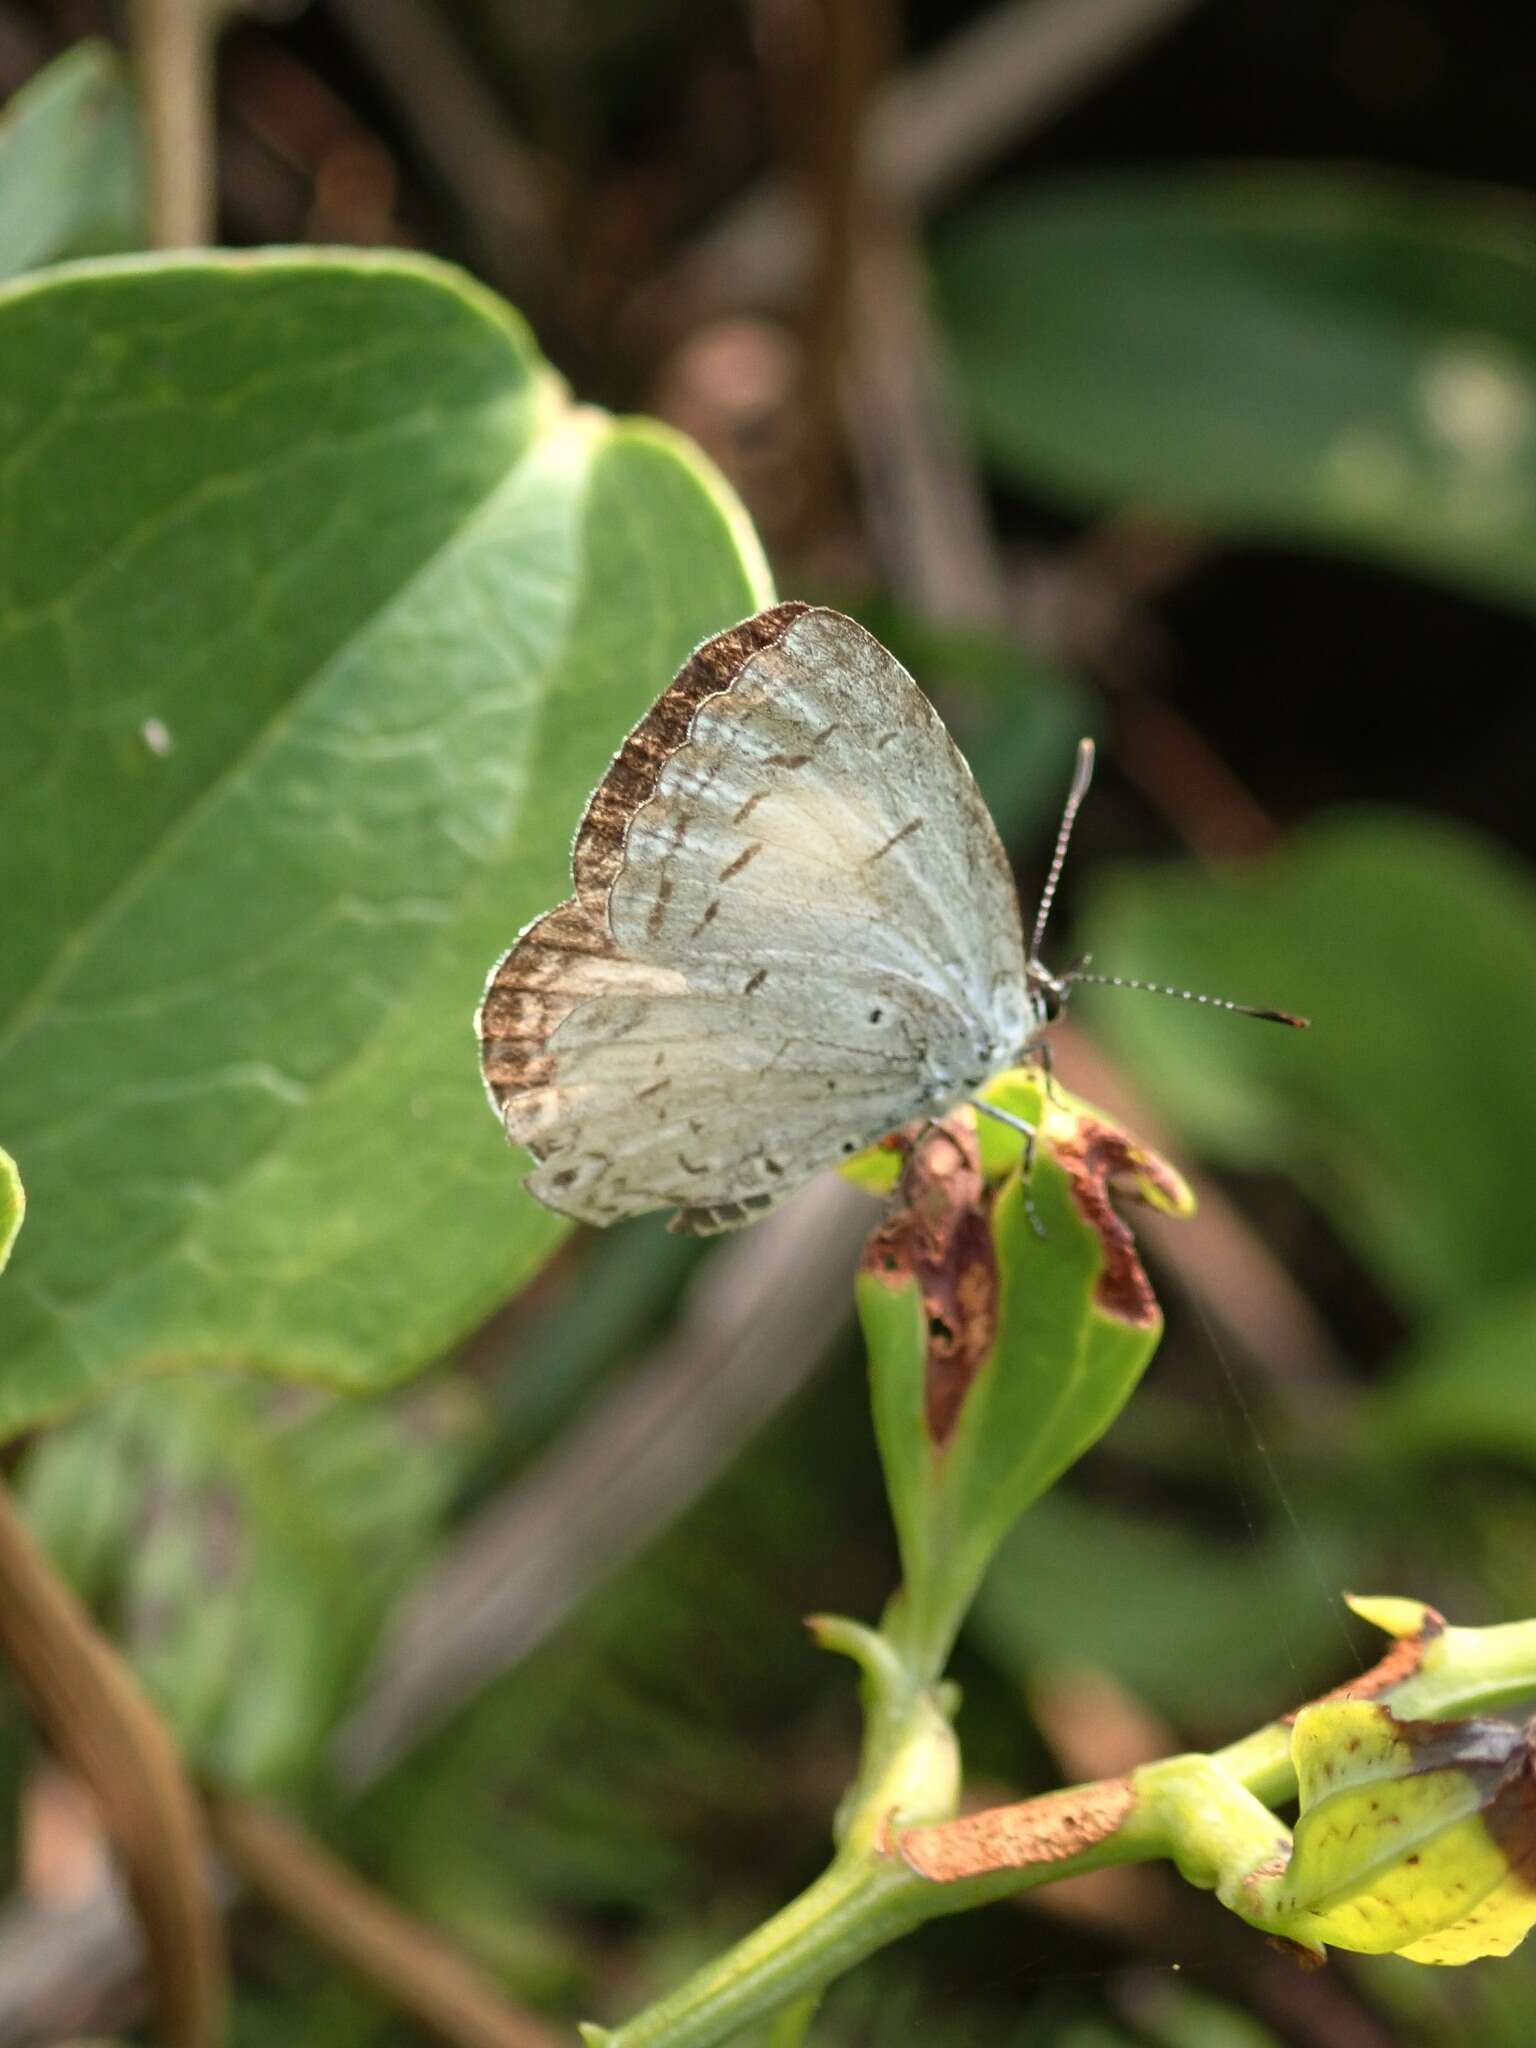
<point>942,1238</point>
<point>1051,1829</point>
<point>1511,1817</point>
<point>1093,1155</point>
<point>1297,1952</point>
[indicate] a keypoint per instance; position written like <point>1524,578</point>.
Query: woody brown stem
<point>93,1712</point>
<point>173,55</point>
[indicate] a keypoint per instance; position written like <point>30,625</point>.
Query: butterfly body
<point>794,929</point>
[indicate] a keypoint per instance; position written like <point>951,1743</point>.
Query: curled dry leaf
<point>1097,1158</point>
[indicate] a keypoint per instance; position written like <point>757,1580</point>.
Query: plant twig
<point>413,1967</point>
<point>102,1725</point>
<point>864,1901</point>
<point>173,52</point>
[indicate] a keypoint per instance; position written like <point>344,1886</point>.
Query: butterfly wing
<point>794,929</point>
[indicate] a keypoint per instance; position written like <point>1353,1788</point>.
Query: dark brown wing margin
<point>567,955</point>
<point>599,850</point>
<point>531,989</point>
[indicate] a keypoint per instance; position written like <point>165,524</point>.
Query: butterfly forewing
<point>795,930</point>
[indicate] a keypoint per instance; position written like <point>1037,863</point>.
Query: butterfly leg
<point>1044,1057</point>
<point>1031,1138</point>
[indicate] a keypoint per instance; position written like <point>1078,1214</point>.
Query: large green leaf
<point>243,1539</point>
<point>1409,1109</point>
<point>320,613</point>
<point>1337,358</point>
<point>13,1204</point>
<point>70,181</point>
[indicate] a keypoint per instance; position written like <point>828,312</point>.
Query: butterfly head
<point>1048,992</point>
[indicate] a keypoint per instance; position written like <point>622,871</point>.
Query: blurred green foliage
<point>1327,357</point>
<point>244,1542</point>
<point>69,164</point>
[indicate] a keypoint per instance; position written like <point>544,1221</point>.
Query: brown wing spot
<point>912,825</point>
<point>632,779</point>
<point>744,811</point>
<point>755,981</point>
<point>785,760</point>
<point>652,1088</point>
<point>688,1166</point>
<point>704,1221</point>
<point>743,859</point>
<point>819,738</point>
<point>886,738</point>
<point>658,909</point>
<point>711,912</point>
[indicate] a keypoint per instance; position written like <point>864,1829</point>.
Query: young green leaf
<point>1415,1837</point>
<point>1004,1333</point>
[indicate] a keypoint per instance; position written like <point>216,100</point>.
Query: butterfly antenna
<point>1189,995</point>
<point>1082,775</point>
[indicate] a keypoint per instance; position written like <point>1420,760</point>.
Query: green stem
<point>856,1906</point>
<point>867,1897</point>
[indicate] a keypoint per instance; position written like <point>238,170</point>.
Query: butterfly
<point>794,930</point>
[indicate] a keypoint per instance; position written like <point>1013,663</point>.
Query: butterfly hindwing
<point>794,930</point>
